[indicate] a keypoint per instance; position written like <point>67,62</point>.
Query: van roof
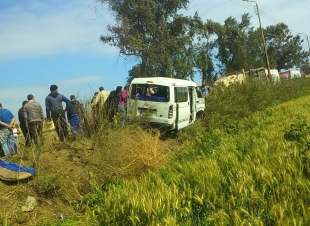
<point>163,81</point>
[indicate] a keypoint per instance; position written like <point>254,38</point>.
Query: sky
<point>58,42</point>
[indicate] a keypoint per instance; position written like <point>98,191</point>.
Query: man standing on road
<point>54,109</point>
<point>34,118</point>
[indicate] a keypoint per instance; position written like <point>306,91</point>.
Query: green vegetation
<point>165,42</point>
<point>245,163</point>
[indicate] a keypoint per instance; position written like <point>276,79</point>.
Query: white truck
<point>262,73</point>
<point>290,74</point>
<point>170,103</point>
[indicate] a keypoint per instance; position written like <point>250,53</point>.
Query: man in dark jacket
<point>73,109</point>
<point>22,124</point>
<point>54,109</point>
<point>111,104</point>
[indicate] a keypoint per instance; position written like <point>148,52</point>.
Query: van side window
<point>180,94</point>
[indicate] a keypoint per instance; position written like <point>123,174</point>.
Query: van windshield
<point>150,92</point>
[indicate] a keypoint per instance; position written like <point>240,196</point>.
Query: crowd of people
<point>31,117</point>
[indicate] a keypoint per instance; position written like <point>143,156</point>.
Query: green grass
<point>248,166</point>
<point>245,163</point>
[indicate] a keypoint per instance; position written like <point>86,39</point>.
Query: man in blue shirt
<point>7,121</point>
<point>205,90</point>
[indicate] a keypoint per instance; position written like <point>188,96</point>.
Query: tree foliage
<point>239,45</point>
<point>168,44</point>
<point>155,34</point>
<point>305,68</point>
<point>284,50</point>
<point>231,43</point>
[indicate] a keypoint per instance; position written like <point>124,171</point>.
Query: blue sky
<point>57,42</point>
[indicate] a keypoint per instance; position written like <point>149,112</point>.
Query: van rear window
<point>150,92</point>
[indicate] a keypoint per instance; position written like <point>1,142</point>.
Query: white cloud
<point>38,28</point>
<point>45,28</point>
<point>82,80</point>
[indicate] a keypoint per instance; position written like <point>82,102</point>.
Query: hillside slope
<point>252,171</point>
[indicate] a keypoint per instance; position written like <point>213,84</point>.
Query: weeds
<point>298,130</point>
<point>4,222</point>
<point>48,185</point>
<point>245,163</point>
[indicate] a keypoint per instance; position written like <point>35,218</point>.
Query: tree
<point>154,34</point>
<point>203,60</point>
<point>239,46</point>
<point>203,47</point>
<point>232,43</point>
<point>305,68</point>
<point>284,50</point>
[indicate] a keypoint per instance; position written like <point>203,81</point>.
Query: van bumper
<point>163,126</point>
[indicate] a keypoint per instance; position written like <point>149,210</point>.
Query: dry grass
<point>67,171</point>
<point>243,172</point>
<point>129,151</point>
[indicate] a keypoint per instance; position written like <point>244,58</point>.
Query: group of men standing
<point>104,104</point>
<point>31,119</point>
<point>107,105</point>
<point>31,125</point>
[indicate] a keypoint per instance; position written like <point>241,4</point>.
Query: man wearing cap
<point>74,109</point>
<point>7,121</point>
<point>54,109</point>
<point>34,117</point>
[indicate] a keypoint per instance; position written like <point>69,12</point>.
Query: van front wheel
<point>199,115</point>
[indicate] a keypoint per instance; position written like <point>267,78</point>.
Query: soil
<point>65,172</point>
<point>66,162</point>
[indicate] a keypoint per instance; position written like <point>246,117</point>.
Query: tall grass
<point>241,100</point>
<point>245,163</point>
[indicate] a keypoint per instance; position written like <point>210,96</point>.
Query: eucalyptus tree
<point>232,43</point>
<point>305,68</point>
<point>155,35</point>
<point>239,46</point>
<point>203,51</point>
<point>284,49</point>
<point>203,61</point>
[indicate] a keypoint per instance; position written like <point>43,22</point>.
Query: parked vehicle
<point>171,103</point>
<point>231,79</point>
<point>262,73</point>
<point>290,74</point>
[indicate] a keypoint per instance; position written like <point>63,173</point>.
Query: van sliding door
<point>182,101</point>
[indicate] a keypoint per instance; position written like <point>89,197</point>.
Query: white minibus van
<point>171,103</point>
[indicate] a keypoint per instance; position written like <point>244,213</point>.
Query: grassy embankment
<point>246,162</point>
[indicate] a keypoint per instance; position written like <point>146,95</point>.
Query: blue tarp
<point>17,168</point>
